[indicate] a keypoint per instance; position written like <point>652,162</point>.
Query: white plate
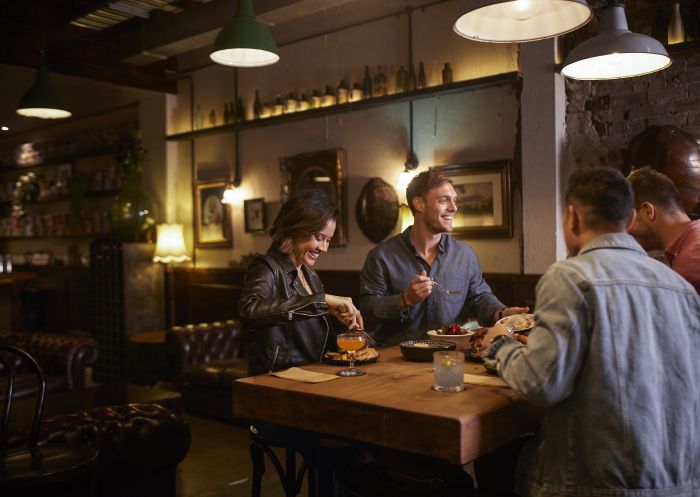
<point>519,322</point>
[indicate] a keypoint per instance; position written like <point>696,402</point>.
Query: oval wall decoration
<point>377,209</point>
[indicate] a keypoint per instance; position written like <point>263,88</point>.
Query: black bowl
<point>423,354</point>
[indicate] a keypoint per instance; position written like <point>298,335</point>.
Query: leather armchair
<point>208,358</point>
<point>63,358</point>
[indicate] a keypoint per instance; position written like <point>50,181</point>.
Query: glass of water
<point>449,371</point>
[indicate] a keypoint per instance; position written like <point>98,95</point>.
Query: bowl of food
<point>454,333</point>
<point>422,350</point>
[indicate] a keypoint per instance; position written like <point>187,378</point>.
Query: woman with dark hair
<point>284,310</point>
<point>289,320</point>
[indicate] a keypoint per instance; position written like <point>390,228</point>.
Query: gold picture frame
<point>212,219</point>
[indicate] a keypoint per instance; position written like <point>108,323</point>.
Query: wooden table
<point>392,406</point>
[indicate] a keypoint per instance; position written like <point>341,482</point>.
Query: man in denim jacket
<point>613,357</point>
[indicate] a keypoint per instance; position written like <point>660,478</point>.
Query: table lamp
<point>170,248</point>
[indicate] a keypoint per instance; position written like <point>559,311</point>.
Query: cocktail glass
<point>351,343</point>
<point>449,371</point>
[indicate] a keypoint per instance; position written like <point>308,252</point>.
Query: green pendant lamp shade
<point>510,21</point>
<point>41,100</point>
<point>615,52</point>
<point>245,42</point>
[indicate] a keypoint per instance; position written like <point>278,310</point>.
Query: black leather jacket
<point>283,326</point>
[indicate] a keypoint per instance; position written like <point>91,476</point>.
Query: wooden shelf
<point>54,161</point>
<point>49,237</point>
<point>460,86</point>
<point>66,198</point>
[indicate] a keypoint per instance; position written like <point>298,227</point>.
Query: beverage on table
<point>449,371</point>
<point>351,343</point>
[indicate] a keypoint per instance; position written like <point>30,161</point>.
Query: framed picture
<point>212,219</point>
<point>254,214</point>
<point>323,170</point>
<point>484,198</point>
<point>63,173</point>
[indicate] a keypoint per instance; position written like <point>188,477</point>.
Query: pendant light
<point>509,21</point>
<point>41,100</point>
<point>615,52</point>
<point>245,42</point>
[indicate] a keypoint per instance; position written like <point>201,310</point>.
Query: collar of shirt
<point>613,240</point>
<point>406,238</point>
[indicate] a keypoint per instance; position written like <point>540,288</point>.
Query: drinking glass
<point>350,343</point>
<point>449,371</point>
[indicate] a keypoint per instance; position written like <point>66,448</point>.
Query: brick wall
<point>603,116</point>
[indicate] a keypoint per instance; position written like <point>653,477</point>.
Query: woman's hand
<point>345,311</point>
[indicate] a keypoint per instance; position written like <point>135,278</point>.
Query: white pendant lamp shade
<point>509,21</point>
<point>170,246</point>
<point>41,100</point>
<point>244,42</point>
<point>615,52</point>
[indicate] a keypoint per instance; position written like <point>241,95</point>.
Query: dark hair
<point>650,185</point>
<point>604,196</point>
<point>423,183</point>
<point>302,215</point>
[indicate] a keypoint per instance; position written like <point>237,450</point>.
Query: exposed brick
<point>668,94</point>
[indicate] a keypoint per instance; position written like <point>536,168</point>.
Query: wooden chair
<point>56,470</point>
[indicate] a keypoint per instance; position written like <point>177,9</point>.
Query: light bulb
<point>522,9</point>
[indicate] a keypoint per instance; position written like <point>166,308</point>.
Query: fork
<point>448,292</point>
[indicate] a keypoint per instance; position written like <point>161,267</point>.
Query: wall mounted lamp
<point>509,21</point>
<point>41,100</point>
<point>244,42</point>
<point>615,52</point>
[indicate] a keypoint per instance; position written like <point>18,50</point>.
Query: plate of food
<point>518,323</point>
<point>362,356</point>
<point>459,335</point>
<point>422,350</point>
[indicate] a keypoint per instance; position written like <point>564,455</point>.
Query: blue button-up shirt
<point>389,269</point>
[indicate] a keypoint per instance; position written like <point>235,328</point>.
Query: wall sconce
<point>510,21</point>
<point>245,42</point>
<point>41,100</point>
<point>615,52</point>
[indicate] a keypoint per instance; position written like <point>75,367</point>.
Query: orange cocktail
<point>350,343</point>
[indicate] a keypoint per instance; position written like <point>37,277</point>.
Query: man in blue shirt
<point>423,279</point>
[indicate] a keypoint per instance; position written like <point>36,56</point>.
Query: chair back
<point>9,369</point>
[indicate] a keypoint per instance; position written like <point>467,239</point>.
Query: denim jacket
<point>614,357</point>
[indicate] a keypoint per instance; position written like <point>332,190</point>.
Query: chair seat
<point>54,463</point>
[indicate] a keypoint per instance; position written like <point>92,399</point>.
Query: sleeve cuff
<point>496,345</point>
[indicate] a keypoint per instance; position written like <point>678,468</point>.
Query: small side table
<point>147,358</point>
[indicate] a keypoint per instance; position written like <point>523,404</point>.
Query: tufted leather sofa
<point>63,359</point>
<point>139,446</point>
<point>208,358</point>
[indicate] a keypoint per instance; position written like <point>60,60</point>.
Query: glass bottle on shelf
<point>391,80</point>
<point>328,97</point>
<point>266,110</point>
<point>411,78</point>
<point>291,104</point>
<point>304,102</point>
<point>367,84</point>
<point>257,106</point>
<point>342,92</point>
<point>676,30</point>
<point>379,83</point>
<point>446,74</point>
<point>198,118</point>
<point>316,99</point>
<point>356,93</point>
<point>278,106</point>
<point>227,113</point>
<point>212,117</point>
<point>422,79</point>
<point>401,80</point>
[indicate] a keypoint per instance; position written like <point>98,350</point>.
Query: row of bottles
<point>371,86</point>
<point>58,224</point>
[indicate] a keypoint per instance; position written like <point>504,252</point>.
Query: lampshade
<point>615,52</point>
<point>41,100</point>
<point>508,21</point>
<point>170,246</point>
<point>244,42</point>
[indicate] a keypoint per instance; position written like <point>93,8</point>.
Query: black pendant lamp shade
<point>41,100</point>
<point>245,42</point>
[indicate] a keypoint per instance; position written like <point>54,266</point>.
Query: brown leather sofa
<point>63,358</point>
<point>208,358</point>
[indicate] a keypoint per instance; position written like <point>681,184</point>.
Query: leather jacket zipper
<point>290,313</point>
<point>274,359</point>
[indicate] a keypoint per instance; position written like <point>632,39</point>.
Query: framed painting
<point>323,170</point>
<point>254,215</point>
<point>212,219</point>
<point>484,201</point>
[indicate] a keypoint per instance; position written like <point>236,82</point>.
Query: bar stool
<point>291,479</point>
<point>56,470</point>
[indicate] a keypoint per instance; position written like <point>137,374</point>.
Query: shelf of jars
<point>58,159</point>
<point>281,113</point>
<point>56,225</point>
<point>64,198</point>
